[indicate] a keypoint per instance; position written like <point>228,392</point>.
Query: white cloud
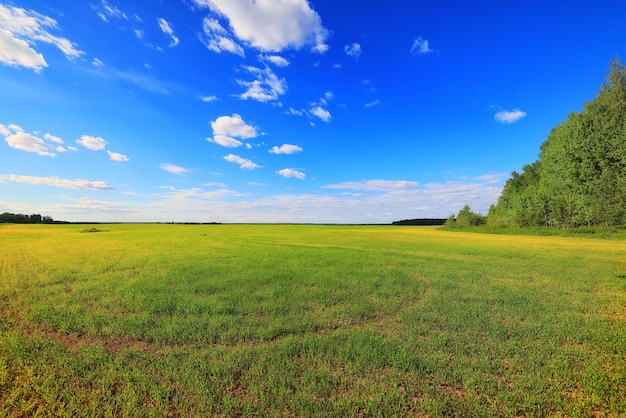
<point>208,99</point>
<point>30,143</point>
<point>353,50</point>
<point>117,157</point>
<point>91,142</point>
<point>53,138</point>
<point>174,169</point>
<point>243,163</point>
<point>15,127</point>
<point>17,53</point>
<point>492,178</point>
<point>227,128</point>
<point>61,148</point>
<point>275,59</point>
<point>321,113</point>
<point>217,39</point>
<point>372,103</point>
<point>286,149</point>
<point>506,116</point>
<point>97,62</point>
<point>377,185</point>
<point>20,30</point>
<point>58,182</point>
<point>105,11</point>
<point>225,141</point>
<point>272,25</point>
<point>420,46</point>
<point>4,130</point>
<point>167,29</point>
<point>296,112</point>
<point>288,172</point>
<point>266,87</point>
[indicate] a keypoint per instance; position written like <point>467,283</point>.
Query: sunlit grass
<point>151,320</point>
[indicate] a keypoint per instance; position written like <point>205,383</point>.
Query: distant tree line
<point>580,176</point>
<point>420,222</point>
<point>16,218</point>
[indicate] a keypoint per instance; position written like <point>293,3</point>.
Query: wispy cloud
<point>217,39</point>
<point>78,184</point>
<point>106,11</point>
<point>167,30</point>
<point>117,156</point>
<point>174,169</point>
<point>21,30</point>
<point>353,50</point>
<point>420,46</point>
<point>378,185</point>
<point>274,59</point>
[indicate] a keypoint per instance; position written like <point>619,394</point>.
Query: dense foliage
<point>580,176</point>
<point>465,217</point>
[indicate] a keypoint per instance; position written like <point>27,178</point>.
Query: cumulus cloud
<point>420,46</point>
<point>217,39</point>
<point>174,169</point>
<point>288,172</point>
<point>30,143</point>
<point>117,157</point>
<point>285,149</point>
<point>167,29</point>
<point>93,143</point>
<point>208,99</point>
<point>272,25</point>
<point>4,130</point>
<point>21,30</point>
<point>227,128</point>
<point>353,50</point>
<point>243,163</point>
<point>78,184</point>
<point>321,113</point>
<point>372,103</point>
<point>266,86</point>
<point>509,116</point>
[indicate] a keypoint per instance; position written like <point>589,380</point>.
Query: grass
<point>288,320</point>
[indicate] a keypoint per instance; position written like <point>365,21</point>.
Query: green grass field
<point>303,320</point>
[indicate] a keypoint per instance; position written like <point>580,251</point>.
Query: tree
<point>580,176</point>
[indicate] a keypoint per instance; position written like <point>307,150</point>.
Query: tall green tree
<point>580,177</point>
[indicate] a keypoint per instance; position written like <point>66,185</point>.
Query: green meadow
<point>309,320</point>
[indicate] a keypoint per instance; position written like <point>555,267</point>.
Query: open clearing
<point>308,320</point>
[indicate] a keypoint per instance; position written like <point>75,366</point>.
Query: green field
<point>303,320</point>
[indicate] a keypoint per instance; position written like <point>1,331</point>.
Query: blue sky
<point>286,110</point>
